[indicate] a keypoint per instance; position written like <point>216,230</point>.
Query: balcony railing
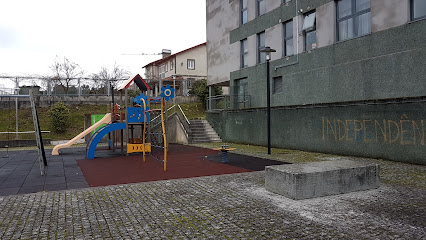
<point>227,102</point>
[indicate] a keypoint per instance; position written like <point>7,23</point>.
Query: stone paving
<point>234,206</point>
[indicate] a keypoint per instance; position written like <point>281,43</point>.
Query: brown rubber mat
<point>183,162</point>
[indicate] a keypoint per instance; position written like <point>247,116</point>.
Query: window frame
<point>243,53</point>
<point>412,18</point>
<point>309,30</point>
<point>259,47</point>
<point>287,38</point>
<point>242,11</point>
<point>188,61</point>
<point>171,65</point>
<point>353,15</point>
<point>241,92</point>
<point>258,2</point>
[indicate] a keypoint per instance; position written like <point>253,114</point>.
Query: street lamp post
<point>268,52</point>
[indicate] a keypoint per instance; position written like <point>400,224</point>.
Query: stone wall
<point>393,130</point>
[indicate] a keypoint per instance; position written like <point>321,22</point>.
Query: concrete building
<point>348,76</point>
<point>181,69</point>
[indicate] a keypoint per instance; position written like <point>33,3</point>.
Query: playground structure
<point>105,120</point>
<point>152,122</point>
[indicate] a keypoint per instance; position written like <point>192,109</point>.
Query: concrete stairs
<point>202,132</point>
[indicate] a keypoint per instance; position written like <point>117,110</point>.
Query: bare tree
<point>64,73</point>
<point>106,77</point>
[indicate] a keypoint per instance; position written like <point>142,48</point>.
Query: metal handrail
<point>23,132</point>
<point>229,102</point>
<point>160,115</point>
<point>184,115</point>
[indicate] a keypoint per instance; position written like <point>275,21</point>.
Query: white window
<point>191,64</point>
<point>162,70</point>
<point>171,65</point>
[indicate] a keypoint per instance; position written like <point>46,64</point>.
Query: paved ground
<point>233,206</point>
<point>20,172</point>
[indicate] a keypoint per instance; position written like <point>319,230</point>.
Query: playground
<point>137,150</point>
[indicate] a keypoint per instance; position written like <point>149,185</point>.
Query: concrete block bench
<point>317,179</point>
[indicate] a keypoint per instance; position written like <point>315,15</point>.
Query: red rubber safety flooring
<point>183,162</point>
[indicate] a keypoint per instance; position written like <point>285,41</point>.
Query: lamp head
<point>268,52</point>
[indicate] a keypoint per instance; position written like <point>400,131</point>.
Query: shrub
<point>59,117</point>
<point>201,90</point>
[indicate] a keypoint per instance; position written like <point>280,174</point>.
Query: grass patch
<point>280,154</point>
<point>395,173</point>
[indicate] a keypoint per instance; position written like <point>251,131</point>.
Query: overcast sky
<point>95,33</point>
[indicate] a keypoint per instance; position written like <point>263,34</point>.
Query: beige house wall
<point>200,57</point>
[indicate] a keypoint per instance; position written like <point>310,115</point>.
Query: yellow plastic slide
<point>105,120</point>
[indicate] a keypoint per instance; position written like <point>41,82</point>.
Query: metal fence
<point>42,86</point>
<point>226,102</point>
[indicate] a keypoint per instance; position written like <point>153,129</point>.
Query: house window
<point>277,85</point>
<point>162,70</point>
<point>167,66</point>
<point>261,56</point>
<point>418,9</point>
<point>189,82</point>
<point>309,28</point>
<point>288,38</point>
<point>191,64</point>
<point>244,54</point>
<point>353,18</point>
<point>171,65</point>
<point>260,7</point>
<point>243,4</point>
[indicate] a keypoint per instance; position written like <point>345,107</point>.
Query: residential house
<point>180,69</point>
<point>348,76</point>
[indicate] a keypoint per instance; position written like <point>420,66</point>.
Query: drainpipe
<point>297,42</point>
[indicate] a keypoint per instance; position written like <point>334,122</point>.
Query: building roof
<point>136,79</point>
<point>173,55</point>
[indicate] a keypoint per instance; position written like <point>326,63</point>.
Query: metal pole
<point>79,88</point>
<point>174,87</point>
<point>268,106</point>
<point>16,108</point>
<point>209,100</point>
